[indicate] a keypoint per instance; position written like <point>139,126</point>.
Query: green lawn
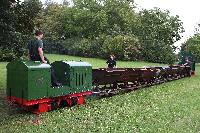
<point>100,63</point>
<point>170,107</point>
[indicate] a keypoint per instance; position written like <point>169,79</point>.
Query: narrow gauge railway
<point>29,83</point>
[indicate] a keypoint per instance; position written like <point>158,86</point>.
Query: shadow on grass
<point>20,116</point>
<point>17,116</point>
<point>8,114</point>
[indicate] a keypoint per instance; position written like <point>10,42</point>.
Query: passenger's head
<point>112,57</point>
<point>38,34</point>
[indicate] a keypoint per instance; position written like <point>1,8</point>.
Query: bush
<point>53,46</point>
<point>159,53</point>
<point>16,49</point>
<point>123,47</point>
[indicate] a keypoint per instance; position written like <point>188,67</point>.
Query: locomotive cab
<point>189,60</point>
<point>76,75</point>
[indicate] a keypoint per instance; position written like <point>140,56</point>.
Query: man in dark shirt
<point>35,48</point>
<point>111,62</point>
<point>35,53</point>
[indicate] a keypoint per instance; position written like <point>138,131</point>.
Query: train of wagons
<point>29,82</point>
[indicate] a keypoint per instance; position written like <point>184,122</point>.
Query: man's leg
<point>54,81</point>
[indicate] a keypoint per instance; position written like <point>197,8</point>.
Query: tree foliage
<point>16,24</point>
<point>124,47</point>
<point>91,18</point>
<point>192,45</point>
<point>94,28</point>
<point>157,33</point>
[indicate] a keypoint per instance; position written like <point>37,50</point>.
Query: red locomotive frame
<point>47,104</point>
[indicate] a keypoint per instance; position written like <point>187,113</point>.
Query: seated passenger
<point>111,62</point>
<point>35,53</point>
<point>187,62</point>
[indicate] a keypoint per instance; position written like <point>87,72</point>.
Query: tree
<point>157,33</point>
<point>6,28</point>
<point>192,45</point>
<point>49,19</point>
<point>26,12</point>
<point>91,18</point>
<point>16,24</point>
<point>90,26</point>
<point>106,26</point>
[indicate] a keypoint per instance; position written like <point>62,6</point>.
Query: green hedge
<point>123,47</point>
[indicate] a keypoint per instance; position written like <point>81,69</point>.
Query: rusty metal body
<point>108,81</point>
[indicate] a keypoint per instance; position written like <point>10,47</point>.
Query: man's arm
<point>41,55</point>
<point>28,57</point>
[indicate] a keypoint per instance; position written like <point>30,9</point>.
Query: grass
<point>100,63</point>
<point>169,107</point>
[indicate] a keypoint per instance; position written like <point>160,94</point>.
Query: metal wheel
<point>74,101</point>
<point>64,103</point>
<point>54,106</point>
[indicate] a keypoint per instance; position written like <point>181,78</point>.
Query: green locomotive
<point>29,84</point>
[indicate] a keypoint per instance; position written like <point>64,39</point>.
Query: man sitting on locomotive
<point>111,62</point>
<point>36,53</point>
